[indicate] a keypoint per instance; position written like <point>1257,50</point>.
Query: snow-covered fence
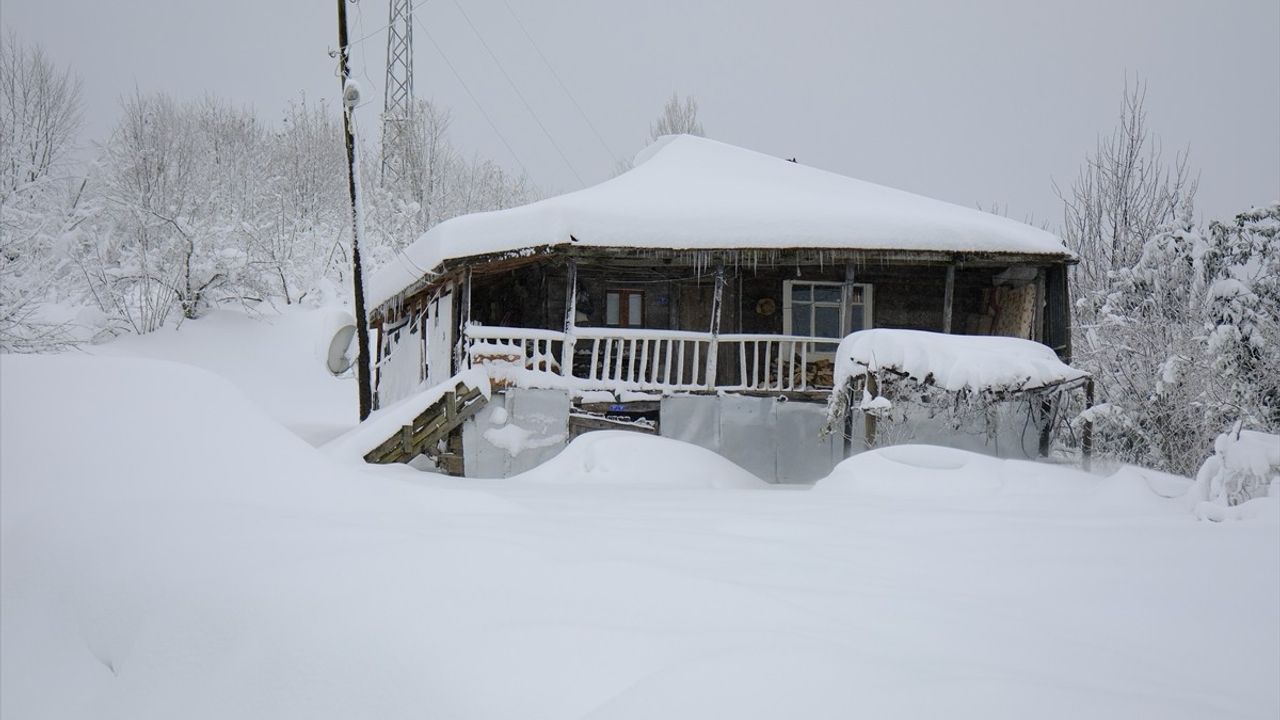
<point>530,348</point>
<point>777,362</point>
<point>655,360</point>
<point>631,359</point>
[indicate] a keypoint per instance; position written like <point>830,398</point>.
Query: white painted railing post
<point>717,298</point>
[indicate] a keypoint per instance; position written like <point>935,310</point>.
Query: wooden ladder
<point>423,435</point>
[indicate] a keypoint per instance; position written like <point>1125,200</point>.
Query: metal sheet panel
<point>545,413</point>
<point>748,434</point>
<point>480,458</point>
<point>693,419</point>
<point>541,427</point>
<point>804,456</point>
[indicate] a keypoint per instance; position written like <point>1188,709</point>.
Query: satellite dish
<point>342,347</point>
<point>335,340</point>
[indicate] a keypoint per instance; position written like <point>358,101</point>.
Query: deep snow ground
<point>170,550</point>
<point>274,358</point>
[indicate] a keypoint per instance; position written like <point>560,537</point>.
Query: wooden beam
<point>570,317</point>
<point>717,300</point>
<point>464,319</point>
<point>869,420</point>
<point>948,298</point>
<point>1086,435</point>
<point>849,277</point>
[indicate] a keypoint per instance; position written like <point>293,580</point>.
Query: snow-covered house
<point>701,296</point>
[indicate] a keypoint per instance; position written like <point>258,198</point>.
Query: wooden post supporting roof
<point>717,301</point>
<point>948,298</point>
<point>460,359</point>
<point>1086,435</point>
<point>868,419</point>
<point>849,277</point>
<point>570,317</point>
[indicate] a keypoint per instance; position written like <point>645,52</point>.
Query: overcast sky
<point>972,102</point>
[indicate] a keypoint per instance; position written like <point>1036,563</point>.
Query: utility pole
<point>350,98</point>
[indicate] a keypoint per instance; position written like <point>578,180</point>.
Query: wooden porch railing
<point>659,360</point>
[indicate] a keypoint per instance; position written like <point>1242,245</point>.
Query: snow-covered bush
<point>1187,341</point>
<point>1245,466</point>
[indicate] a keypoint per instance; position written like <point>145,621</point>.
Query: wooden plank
<point>869,420</point>
<point>1086,435</point>
<point>570,317</point>
<point>717,302</point>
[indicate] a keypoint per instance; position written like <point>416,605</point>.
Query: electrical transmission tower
<point>397,110</point>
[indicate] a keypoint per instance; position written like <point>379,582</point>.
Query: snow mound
<point>691,193</point>
<point>276,359</point>
<point>926,472</point>
<point>953,362</point>
<point>915,471</point>
<point>168,550</point>
<point>619,457</point>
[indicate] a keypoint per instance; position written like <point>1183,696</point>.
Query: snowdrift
<point>168,550</point>
<point>276,359</point>
<point>618,457</point>
<point>933,475</point>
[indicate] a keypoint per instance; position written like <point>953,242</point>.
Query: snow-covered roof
<point>689,192</point>
<point>979,363</point>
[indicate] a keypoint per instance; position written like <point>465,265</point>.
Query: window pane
<point>611,309</point>
<point>855,294</point>
<point>826,293</point>
<point>857,321</point>
<point>801,291</point>
<point>826,321</point>
<point>635,309</point>
<point>800,319</point>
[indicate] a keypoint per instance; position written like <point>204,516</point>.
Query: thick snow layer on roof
<point>953,362</point>
<point>693,193</point>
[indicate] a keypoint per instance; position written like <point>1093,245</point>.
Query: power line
<point>467,88</point>
<point>364,58</point>
<point>612,155</point>
<point>519,94</point>
<point>375,32</point>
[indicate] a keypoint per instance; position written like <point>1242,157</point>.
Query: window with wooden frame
<point>624,308</point>
<point>825,309</point>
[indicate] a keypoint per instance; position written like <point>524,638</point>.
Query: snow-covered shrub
<point>1187,341</point>
<point>1244,466</point>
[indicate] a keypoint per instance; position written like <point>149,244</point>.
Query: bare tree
<point>39,117</point>
<point>677,118</point>
<point>39,114</point>
<point>1123,194</point>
